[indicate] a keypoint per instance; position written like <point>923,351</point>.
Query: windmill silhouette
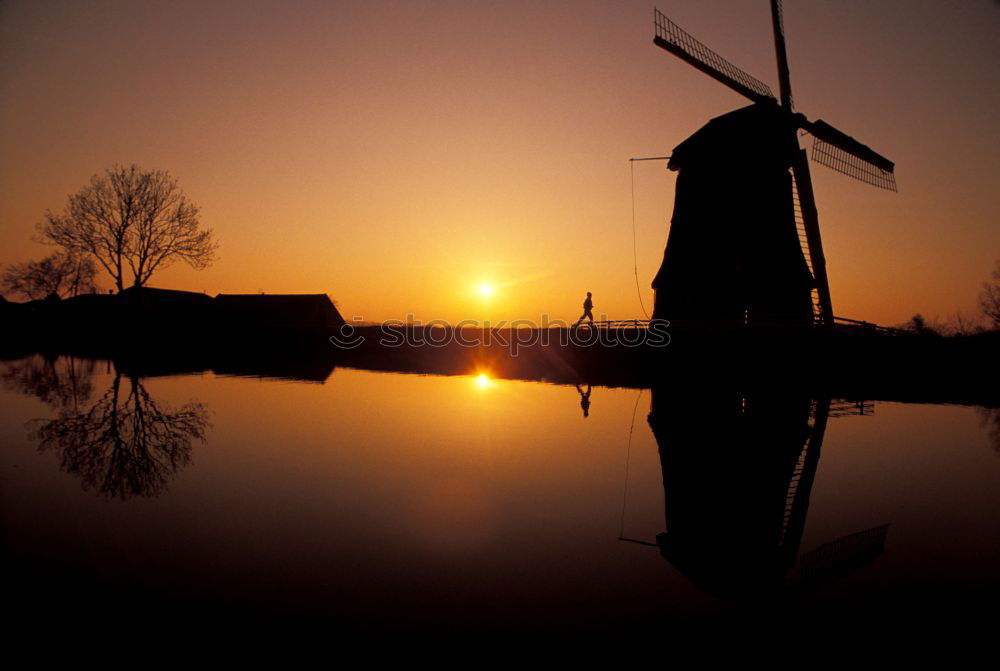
<point>744,243</point>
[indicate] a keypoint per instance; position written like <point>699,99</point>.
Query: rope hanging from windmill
<point>635,253</point>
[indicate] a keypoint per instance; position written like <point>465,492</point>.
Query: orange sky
<point>397,154</point>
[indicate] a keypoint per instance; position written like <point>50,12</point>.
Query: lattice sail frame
<point>835,158</point>
<point>670,32</point>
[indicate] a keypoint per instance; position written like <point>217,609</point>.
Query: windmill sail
<point>841,152</point>
<point>677,41</point>
<point>784,79</point>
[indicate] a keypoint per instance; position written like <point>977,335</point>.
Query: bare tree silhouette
<point>127,444</point>
<point>62,274</point>
<point>989,299</point>
<point>131,219</point>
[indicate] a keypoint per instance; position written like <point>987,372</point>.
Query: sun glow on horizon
<point>483,381</point>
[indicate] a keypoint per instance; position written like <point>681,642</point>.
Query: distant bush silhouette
<point>918,324</point>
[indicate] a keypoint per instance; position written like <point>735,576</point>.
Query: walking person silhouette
<point>588,311</point>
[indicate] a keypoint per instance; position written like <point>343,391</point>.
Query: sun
<point>485,290</point>
<point>483,381</point>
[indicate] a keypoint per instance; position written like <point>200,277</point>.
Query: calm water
<point>466,504</point>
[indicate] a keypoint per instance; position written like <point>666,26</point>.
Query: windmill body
<point>733,253</point>
<point>744,243</point>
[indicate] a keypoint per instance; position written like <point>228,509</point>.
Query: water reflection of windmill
<point>744,241</point>
<point>738,469</point>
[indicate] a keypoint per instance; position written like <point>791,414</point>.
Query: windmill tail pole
<point>784,79</point>
<point>810,219</point>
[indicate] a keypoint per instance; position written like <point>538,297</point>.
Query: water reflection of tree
<point>990,418</point>
<point>63,382</point>
<point>127,444</point>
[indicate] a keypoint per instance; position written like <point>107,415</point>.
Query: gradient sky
<point>398,154</point>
